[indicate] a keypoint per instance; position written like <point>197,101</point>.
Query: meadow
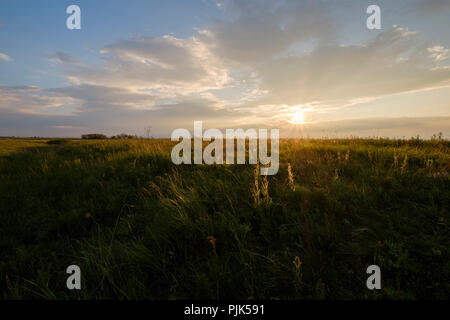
<point>141,227</point>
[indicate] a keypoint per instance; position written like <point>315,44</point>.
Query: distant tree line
<point>124,136</point>
<point>92,136</point>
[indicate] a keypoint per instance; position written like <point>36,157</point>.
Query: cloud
<point>216,58</point>
<point>332,76</point>
<point>29,99</point>
<point>265,54</point>
<point>167,64</point>
<point>439,53</point>
<point>64,58</point>
<point>260,30</point>
<point>5,57</point>
<point>91,97</point>
<point>107,109</point>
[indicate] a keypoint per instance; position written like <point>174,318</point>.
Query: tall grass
<point>140,227</point>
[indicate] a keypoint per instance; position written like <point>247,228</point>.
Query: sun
<point>297,117</point>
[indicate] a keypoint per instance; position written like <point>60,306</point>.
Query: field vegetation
<point>141,227</point>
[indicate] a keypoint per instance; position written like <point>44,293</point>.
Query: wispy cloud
<point>393,62</point>
<point>439,53</point>
<point>29,99</point>
<point>5,57</point>
<point>167,64</point>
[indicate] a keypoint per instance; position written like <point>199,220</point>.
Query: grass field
<point>140,227</point>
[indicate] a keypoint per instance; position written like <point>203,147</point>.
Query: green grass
<point>140,227</point>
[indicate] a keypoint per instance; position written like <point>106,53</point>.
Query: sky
<point>310,68</point>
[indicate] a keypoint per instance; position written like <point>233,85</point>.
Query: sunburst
<point>297,117</point>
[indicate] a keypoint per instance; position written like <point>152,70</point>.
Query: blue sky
<point>230,63</point>
<point>33,30</point>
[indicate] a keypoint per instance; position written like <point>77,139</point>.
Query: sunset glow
<point>297,118</point>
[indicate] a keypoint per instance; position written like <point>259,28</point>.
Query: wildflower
<point>297,263</point>
<point>347,155</point>
<point>404,164</point>
<point>290,177</point>
<point>336,174</point>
